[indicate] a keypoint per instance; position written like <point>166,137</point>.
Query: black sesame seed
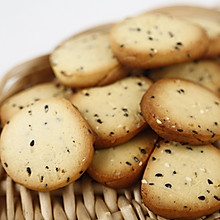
<point>168,151</point>
<point>216,123</point>
<point>46,108</point>
<point>136,159</point>
<point>128,163</point>
<point>81,172</point>
<point>151,184</point>
<point>217,103</point>
<point>29,170</point>
<point>189,148</point>
<point>168,185</point>
<point>150,38</point>
<point>6,165</point>
<point>125,114</point>
<point>179,43</point>
<point>216,197</point>
<point>185,206</point>
<point>46,185</point>
<point>201,151</point>
<point>86,94</point>
<point>122,45</point>
<point>153,158</point>
<point>209,181</point>
<point>174,172</point>
<point>111,133</point>
<point>21,107</point>
<point>89,131</point>
<point>99,121</point>
<point>140,83</point>
<point>68,179</point>
<point>124,109</point>
<point>180,130</point>
<point>32,143</point>
<point>171,34</point>
<point>41,178</point>
<point>159,175</point>
<point>152,96</point>
<point>57,169</point>
<point>143,151</point>
<point>195,132</point>
<point>201,197</point>
<point>46,167</point>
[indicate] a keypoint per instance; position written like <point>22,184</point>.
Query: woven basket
<point>83,199</point>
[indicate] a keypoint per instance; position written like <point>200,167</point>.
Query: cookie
<point>123,165</point>
<point>86,60</point>
<point>154,40</point>
<point>28,97</point>
<point>207,18</point>
<point>182,181</point>
<point>113,111</point>
<point>204,72</point>
<point>52,144</point>
<point>182,111</point>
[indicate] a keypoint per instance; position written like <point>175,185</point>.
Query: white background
<point>30,28</point>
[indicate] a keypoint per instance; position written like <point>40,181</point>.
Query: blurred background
<point>31,28</point>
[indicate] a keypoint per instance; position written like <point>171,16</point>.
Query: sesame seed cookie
<point>182,181</point>
<point>52,144</point>
<point>113,111</point>
<point>207,18</point>
<point>204,72</point>
<point>86,60</point>
<point>154,39</point>
<point>183,111</point>
<point>122,166</point>
<point>29,96</point>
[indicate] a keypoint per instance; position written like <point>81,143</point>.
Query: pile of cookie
<point>138,101</point>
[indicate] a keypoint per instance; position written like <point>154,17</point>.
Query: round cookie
<point>31,95</point>
<point>121,166</point>
<point>182,181</point>
<point>86,60</point>
<point>207,18</point>
<point>183,111</point>
<point>204,72</point>
<point>52,144</point>
<point>155,39</point>
<point>113,111</point>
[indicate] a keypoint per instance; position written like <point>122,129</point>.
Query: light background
<point>31,28</point>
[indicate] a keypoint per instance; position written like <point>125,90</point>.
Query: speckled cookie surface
<point>182,181</point>
<point>28,97</point>
<point>86,60</point>
<point>180,110</point>
<point>204,72</point>
<point>52,144</point>
<point>154,40</point>
<point>123,165</point>
<point>113,111</point>
<point>207,18</point>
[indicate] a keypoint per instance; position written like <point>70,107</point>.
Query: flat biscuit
<point>183,111</point>
<point>86,60</point>
<point>207,18</point>
<point>113,111</point>
<point>155,39</point>
<point>29,96</point>
<point>122,166</point>
<point>204,72</point>
<point>47,145</point>
<point>182,181</point>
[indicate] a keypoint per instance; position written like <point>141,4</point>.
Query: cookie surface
<point>113,111</point>
<point>52,144</point>
<point>207,18</point>
<point>86,60</point>
<point>28,97</point>
<point>204,72</point>
<point>154,40</point>
<point>122,166</point>
<point>183,111</point>
<point>182,181</point>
